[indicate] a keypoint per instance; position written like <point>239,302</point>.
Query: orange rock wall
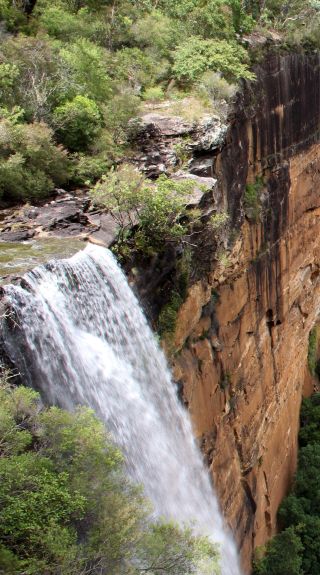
<point>242,334</point>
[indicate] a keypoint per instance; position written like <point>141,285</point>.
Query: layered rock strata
<point>242,334</point>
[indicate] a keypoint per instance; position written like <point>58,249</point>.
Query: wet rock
<point>56,215</point>
<point>17,235</point>
<point>60,191</point>
<point>66,216</point>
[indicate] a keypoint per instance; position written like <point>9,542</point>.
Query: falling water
<point>79,335</point>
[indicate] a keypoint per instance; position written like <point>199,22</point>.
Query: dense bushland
<point>296,549</point>
<point>67,507</point>
<point>79,72</point>
<point>73,73</point>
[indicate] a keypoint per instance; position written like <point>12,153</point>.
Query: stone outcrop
<point>68,215</point>
<point>161,138</point>
<point>242,334</point>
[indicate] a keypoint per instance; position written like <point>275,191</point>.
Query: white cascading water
<point>77,333</point>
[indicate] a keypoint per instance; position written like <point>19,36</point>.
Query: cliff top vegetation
<point>75,73</point>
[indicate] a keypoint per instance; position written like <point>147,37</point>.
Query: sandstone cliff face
<point>242,333</point>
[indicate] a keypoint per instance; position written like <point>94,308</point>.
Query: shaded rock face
<point>242,333</point>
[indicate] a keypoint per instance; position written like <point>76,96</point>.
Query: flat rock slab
<point>159,137</point>
<point>167,125</point>
<point>55,215</point>
<point>17,236</point>
<point>63,217</point>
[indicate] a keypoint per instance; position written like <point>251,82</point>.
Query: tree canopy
<point>296,549</point>
<point>67,506</point>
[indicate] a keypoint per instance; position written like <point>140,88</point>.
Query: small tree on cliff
<point>156,208</point>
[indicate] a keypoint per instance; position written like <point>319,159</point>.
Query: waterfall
<point>78,335</point>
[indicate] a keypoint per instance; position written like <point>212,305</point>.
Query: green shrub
<point>160,214</point>
<point>251,199</point>
<point>31,165</point>
<point>67,506</point>
<point>12,16</point>
<point>157,33</point>
<point>182,151</point>
<point>299,513</point>
<point>88,169</point>
<point>168,315</point>
<point>9,74</point>
<point>156,208</point>
<point>42,78</point>
<point>196,55</point>
<point>117,115</point>
<point>282,555</point>
<point>120,192</point>
<point>211,85</point>
<point>219,221</point>
<point>67,26</point>
<point>134,67</point>
<point>154,94</point>
<point>77,123</point>
<point>88,65</point>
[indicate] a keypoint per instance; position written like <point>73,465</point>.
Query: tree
<point>155,207</point>
<point>67,506</point>
<point>168,549</point>
<point>307,483</point>
<point>309,531</point>
<point>283,555</point>
<point>196,55</point>
<point>88,63</point>
<point>158,33</point>
<point>121,193</point>
<point>42,79</point>
<point>292,511</point>
<point>310,422</point>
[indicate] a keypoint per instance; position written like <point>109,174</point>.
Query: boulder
<point>201,187</point>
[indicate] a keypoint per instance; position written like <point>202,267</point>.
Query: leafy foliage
<point>156,208</point>
<point>251,199</point>
<point>312,350</point>
<point>282,555</point>
<point>77,123</point>
<point>197,55</point>
<point>67,506</point>
<point>31,165</point>
<point>296,550</point>
<point>84,68</point>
